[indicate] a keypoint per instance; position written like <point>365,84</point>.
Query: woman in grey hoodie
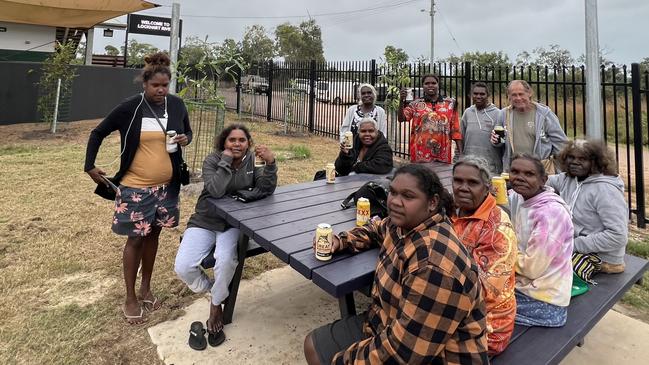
<point>595,194</point>
<point>229,171</point>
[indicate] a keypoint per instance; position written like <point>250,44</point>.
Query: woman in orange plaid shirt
<point>487,232</point>
<point>434,123</point>
<point>426,302</point>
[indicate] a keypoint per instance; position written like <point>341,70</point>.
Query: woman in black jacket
<point>371,153</point>
<point>148,177</point>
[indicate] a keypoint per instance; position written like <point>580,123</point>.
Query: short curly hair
<point>599,153</point>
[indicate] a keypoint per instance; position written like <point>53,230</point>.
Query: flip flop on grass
<point>139,319</point>
<point>151,305</point>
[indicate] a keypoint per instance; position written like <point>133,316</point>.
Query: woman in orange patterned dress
<point>434,123</point>
<point>485,229</point>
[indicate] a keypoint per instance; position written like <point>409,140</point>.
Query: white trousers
<point>195,246</point>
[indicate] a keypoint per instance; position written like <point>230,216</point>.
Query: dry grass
<point>61,283</point>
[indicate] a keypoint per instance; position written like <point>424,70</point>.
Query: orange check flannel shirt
<point>433,126</point>
<point>426,302</point>
<point>489,235</point>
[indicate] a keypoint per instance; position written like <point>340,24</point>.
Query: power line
<point>448,28</point>
<point>348,12</point>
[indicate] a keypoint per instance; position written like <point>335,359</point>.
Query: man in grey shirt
<point>476,125</point>
<point>530,127</point>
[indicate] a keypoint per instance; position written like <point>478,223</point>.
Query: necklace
<point>165,115</point>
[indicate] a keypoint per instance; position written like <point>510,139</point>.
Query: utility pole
<point>594,129</point>
<point>90,37</point>
<point>173,44</point>
<point>432,34</point>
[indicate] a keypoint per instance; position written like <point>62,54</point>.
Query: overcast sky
<point>460,26</point>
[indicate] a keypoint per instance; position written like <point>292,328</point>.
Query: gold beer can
<point>323,242</point>
<point>362,211</point>
<point>501,190</point>
<point>330,171</point>
<point>349,140</point>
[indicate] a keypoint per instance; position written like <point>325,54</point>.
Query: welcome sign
<point>153,25</point>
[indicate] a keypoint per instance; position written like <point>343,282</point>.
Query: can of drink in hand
<point>500,131</point>
<point>500,186</point>
<point>410,96</point>
<point>259,162</point>
<point>172,146</point>
<point>362,211</point>
<point>323,242</point>
<point>330,171</point>
<point>349,140</point>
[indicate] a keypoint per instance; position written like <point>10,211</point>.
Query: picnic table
<point>285,222</point>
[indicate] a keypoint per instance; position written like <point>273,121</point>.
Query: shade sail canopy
<point>68,13</point>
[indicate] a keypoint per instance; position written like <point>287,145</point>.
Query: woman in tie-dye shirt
<point>544,229</point>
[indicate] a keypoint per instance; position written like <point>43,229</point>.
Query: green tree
<point>644,64</point>
<point>56,67</point>
<point>481,59</point>
<point>553,56</point>
<point>257,45</point>
<point>394,56</point>
<point>111,50</point>
<point>299,43</point>
<point>137,51</point>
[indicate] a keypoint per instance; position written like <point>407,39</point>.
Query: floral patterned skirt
<point>138,209</point>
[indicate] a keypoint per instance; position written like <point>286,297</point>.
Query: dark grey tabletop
<point>285,224</point>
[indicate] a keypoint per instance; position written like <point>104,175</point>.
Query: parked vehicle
<point>304,85</point>
<point>336,92</point>
<point>254,84</point>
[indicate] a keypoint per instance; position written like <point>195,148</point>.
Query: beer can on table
<point>323,242</point>
<point>330,171</point>
<point>349,140</point>
<point>362,211</point>
<point>501,190</point>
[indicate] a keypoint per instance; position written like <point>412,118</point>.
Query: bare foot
<point>215,322</point>
<point>133,312</point>
<point>150,302</point>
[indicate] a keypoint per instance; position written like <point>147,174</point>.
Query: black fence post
<point>373,75</point>
<point>637,145</point>
<point>269,92</point>
<point>312,80</point>
<point>467,85</point>
<point>238,89</point>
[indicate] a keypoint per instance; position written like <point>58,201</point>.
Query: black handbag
<point>184,173</point>
<point>107,191</point>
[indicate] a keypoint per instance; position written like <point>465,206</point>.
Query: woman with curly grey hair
<point>595,194</point>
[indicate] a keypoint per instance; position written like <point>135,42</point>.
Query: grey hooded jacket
<point>599,214</point>
<point>550,138</point>
<point>476,126</point>
<point>221,179</point>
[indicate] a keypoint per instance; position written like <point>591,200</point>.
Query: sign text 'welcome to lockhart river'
<point>153,25</point>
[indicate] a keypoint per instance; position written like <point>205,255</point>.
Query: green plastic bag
<point>579,286</point>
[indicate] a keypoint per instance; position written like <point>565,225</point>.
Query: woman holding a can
<point>148,176</point>
<point>229,171</point>
<point>544,230</point>
<point>370,153</point>
<point>485,229</point>
<point>366,108</point>
<point>426,303</point>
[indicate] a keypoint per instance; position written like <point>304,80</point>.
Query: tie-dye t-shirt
<point>545,242</point>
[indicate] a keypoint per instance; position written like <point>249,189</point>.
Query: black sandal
<point>215,339</point>
<point>197,336</point>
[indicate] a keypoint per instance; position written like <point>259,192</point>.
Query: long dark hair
<point>155,63</point>
<point>220,140</point>
<point>429,183</point>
